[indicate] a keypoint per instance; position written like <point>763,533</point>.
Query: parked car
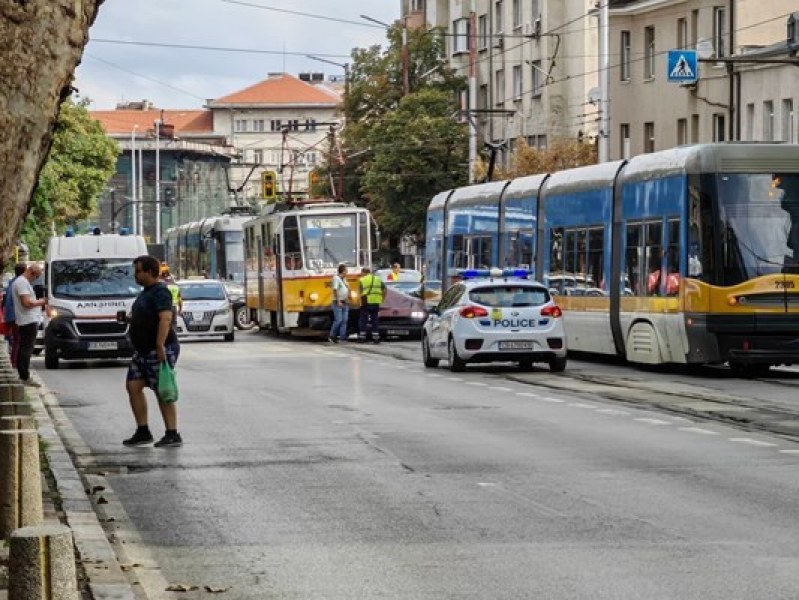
<point>206,309</point>
<point>238,301</point>
<point>495,319</point>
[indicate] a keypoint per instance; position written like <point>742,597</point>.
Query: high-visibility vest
<point>174,289</point>
<point>372,288</point>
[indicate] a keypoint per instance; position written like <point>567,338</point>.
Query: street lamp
<point>345,66</point>
<point>404,52</point>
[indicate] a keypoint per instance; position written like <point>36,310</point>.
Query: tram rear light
<point>313,296</point>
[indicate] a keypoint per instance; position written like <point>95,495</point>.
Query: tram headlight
<point>313,296</point>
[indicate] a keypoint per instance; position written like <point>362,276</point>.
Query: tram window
<point>654,258</point>
<point>596,257</point>
<point>570,252</point>
<point>458,258</point>
<point>673,259</point>
<point>291,242</point>
<point>632,257</point>
<point>556,250</point>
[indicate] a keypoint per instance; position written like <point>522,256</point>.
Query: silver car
<point>206,310</point>
<point>495,319</point>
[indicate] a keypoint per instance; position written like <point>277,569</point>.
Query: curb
<point>106,579</point>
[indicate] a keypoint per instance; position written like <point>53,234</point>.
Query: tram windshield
<point>759,218</point>
<point>329,240</point>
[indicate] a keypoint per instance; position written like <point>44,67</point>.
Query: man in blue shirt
<point>9,316</point>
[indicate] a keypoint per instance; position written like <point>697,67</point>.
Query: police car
<point>206,310</point>
<point>495,316</point>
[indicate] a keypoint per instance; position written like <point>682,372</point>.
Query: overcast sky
<point>186,78</point>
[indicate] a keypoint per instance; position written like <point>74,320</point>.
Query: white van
<point>88,279</point>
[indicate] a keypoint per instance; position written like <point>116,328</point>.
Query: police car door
<point>448,308</point>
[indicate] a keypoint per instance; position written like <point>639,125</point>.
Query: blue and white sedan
<point>206,310</point>
<point>495,318</point>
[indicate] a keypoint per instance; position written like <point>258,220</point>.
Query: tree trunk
<point>43,42</point>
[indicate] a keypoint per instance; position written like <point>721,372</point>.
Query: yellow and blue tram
<point>689,255</point>
<point>291,254</point>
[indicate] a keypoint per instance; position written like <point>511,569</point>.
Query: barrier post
<point>41,564</point>
<point>20,480</point>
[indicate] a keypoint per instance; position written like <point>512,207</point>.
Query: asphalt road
<point>312,471</point>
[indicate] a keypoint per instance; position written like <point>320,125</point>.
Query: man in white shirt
<point>28,314</point>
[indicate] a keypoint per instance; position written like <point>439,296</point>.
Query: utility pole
<point>604,87</point>
<point>133,176</point>
<point>157,124</point>
<point>472,115</point>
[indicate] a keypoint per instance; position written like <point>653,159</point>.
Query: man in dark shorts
<point>154,341</point>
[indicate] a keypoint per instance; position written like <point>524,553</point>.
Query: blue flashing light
<point>69,232</point>
<point>495,272</point>
<point>96,231</point>
<point>124,231</point>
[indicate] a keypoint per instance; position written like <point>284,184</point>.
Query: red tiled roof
<point>185,122</point>
<point>282,89</point>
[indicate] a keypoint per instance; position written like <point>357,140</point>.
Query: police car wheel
<point>429,361</point>
<point>557,364</point>
<point>456,363</point>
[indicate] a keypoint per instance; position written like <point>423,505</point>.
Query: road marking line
<point>752,442</point>
<point>499,388</point>
<point>454,379</point>
<point>477,383</point>
<point>612,411</point>
<point>548,399</point>
<point>698,430</point>
<point>582,405</point>
<point>528,395</point>
<point>652,421</point>
<point>789,451</point>
<point>433,374</point>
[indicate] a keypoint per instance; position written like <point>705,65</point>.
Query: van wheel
<point>50,358</point>
<point>557,364</point>
<point>456,363</point>
<point>429,361</point>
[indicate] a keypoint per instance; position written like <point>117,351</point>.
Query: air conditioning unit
<point>499,41</point>
<point>533,28</point>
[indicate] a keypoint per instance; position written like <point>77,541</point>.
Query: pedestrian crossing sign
<point>682,66</point>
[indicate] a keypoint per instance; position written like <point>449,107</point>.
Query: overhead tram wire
<point>212,48</point>
<point>301,14</point>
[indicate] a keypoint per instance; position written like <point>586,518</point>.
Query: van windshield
<point>93,278</point>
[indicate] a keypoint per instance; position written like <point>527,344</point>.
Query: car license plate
<point>103,346</point>
<point>398,332</point>
<point>516,345</point>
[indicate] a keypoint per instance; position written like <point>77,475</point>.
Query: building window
<point>275,125</point>
<point>499,88</point>
<point>517,83</point>
<point>626,54</point>
<point>694,129</point>
<point>682,33</point>
<point>517,14</point>
<point>417,5</point>
<point>240,125</point>
<point>482,97</point>
<point>720,31</point>
<point>310,124</point>
<point>750,122</point>
<point>649,52</point>
<point>460,41</point>
<point>682,131</point>
<point>498,10</point>
<point>538,78</point>
<point>694,27</point>
<point>258,157</point>
<point>482,32</point>
<point>788,127</point>
<point>258,125</point>
<point>310,158</point>
<point>768,121</point>
<point>538,142</point>
<point>293,124</point>
<point>718,127</point>
<point>624,139</point>
<point>649,137</point>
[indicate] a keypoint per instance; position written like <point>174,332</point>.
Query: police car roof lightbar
<point>493,272</point>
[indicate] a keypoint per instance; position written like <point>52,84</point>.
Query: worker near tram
<point>372,290</point>
<point>174,289</point>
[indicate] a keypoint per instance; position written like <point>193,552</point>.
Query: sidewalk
<point>69,500</point>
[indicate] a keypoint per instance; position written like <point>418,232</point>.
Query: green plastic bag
<point>167,384</point>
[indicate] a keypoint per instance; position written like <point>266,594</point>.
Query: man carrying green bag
<point>156,351</point>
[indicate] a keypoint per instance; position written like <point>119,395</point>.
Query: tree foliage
<point>81,161</point>
<point>559,155</point>
<point>401,148</point>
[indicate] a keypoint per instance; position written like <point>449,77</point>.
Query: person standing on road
<point>27,315</point>
<point>154,341</point>
<point>341,306</point>
<point>372,289</point>
<point>8,315</point>
<point>174,289</point>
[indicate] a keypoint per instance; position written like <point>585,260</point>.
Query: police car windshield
<point>93,278</point>
<point>202,291</point>
<point>509,296</point>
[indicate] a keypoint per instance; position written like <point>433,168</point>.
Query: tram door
<point>278,322</point>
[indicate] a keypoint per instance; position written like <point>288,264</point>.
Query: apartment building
<point>536,65</point>
<point>280,124</point>
<point>752,101</point>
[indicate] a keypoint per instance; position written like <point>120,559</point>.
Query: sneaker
<point>31,383</point>
<point>139,439</point>
<point>332,340</point>
<point>170,440</point>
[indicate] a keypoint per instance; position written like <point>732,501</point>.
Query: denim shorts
<point>146,366</point>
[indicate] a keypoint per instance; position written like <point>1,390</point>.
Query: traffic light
<point>169,196</point>
<point>269,185</point>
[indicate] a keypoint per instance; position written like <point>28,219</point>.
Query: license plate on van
<point>103,345</point>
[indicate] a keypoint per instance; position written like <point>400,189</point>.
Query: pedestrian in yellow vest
<point>372,290</point>
<point>174,289</point>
